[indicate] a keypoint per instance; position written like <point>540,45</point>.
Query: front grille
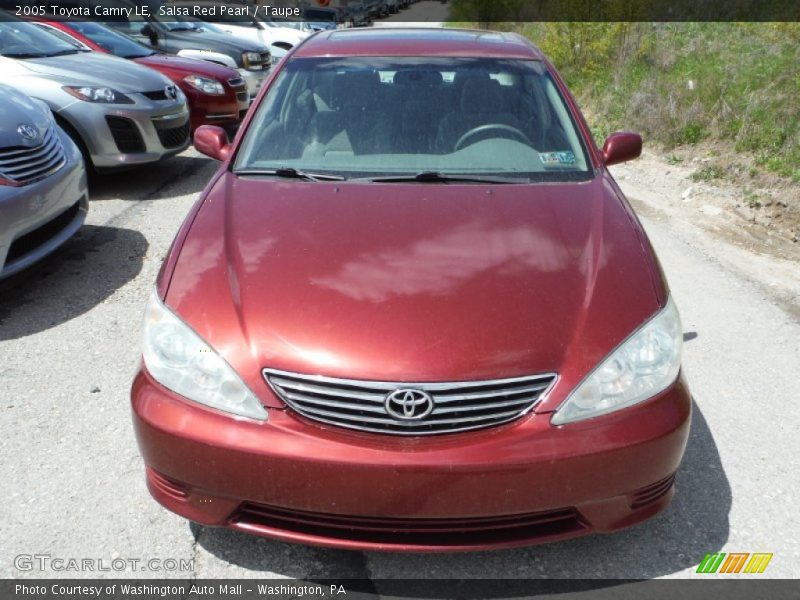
<point>32,240</point>
<point>21,164</point>
<point>126,135</point>
<point>439,532</point>
<point>173,137</point>
<point>238,85</point>
<point>366,405</point>
<point>168,93</point>
<point>157,95</point>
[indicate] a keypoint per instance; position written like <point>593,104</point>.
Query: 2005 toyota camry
<point>413,311</point>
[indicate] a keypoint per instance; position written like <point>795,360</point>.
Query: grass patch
<point>683,83</point>
<point>708,173</point>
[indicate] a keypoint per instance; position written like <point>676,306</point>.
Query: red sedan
<point>413,311</point>
<point>216,95</point>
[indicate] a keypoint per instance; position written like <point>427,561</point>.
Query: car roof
<point>418,41</point>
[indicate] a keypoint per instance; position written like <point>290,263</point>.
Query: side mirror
<point>150,33</point>
<point>621,147</point>
<point>212,141</point>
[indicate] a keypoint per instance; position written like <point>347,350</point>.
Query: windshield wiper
<point>290,173</point>
<point>436,177</point>
<point>24,54</point>
<point>65,52</point>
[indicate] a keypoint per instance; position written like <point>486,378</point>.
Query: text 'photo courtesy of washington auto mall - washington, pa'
<point>399,298</point>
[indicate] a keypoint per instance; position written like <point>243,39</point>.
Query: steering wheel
<point>499,127</point>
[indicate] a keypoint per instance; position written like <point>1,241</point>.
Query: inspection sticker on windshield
<point>557,159</point>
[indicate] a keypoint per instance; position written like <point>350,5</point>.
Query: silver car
<point>43,196</point>
<point>118,112</point>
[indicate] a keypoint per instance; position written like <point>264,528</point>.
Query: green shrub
<point>680,83</point>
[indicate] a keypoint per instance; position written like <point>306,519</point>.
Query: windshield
<point>370,117</point>
<point>179,23</point>
<point>25,40</point>
<point>108,39</point>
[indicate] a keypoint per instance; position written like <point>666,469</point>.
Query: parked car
<point>119,113</point>
<point>278,39</point>
<point>43,194</point>
<point>302,26</point>
<point>216,95</point>
<point>276,52</point>
<point>326,17</point>
<point>189,37</point>
<point>358,14</point>
<point>376,9</point>
<point>413,311</point>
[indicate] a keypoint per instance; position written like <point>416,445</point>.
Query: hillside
<point>722,96</point>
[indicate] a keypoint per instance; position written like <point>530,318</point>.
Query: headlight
<point>252,60</point>
<point>206,85</point>
<point>642,366</point>
<point>181,361</point>
<point>101,95</point>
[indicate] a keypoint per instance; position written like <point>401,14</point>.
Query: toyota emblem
<point>29,132</point>
<point>409,405</point>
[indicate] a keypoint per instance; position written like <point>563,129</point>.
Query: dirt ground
<point>758,211</point>
<point>748,223</point>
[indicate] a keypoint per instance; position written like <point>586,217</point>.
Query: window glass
<point>369,117</point>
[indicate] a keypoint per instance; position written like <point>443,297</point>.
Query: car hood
<point>186,66</point>
<point>17,109</point>
<point>217,42</point>
<point>93,68</point>
<point>416,282</point>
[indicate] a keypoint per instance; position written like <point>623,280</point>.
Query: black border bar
<point>481,11</point>
<point>698,588</point>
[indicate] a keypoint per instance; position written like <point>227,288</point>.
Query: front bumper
<point>217,110</point>
<point>36,219</point>
<point>519,484</point>
<point>130,134</point>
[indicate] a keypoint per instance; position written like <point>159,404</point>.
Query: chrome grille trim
<point>26,165</point>
<point>361,405</point>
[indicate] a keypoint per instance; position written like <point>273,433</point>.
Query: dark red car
<point>413,311</point>
<point>216,94</point>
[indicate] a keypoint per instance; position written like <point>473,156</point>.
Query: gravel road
<point>69,338</point>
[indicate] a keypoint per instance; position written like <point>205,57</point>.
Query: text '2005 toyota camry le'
<point>413,311</point>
